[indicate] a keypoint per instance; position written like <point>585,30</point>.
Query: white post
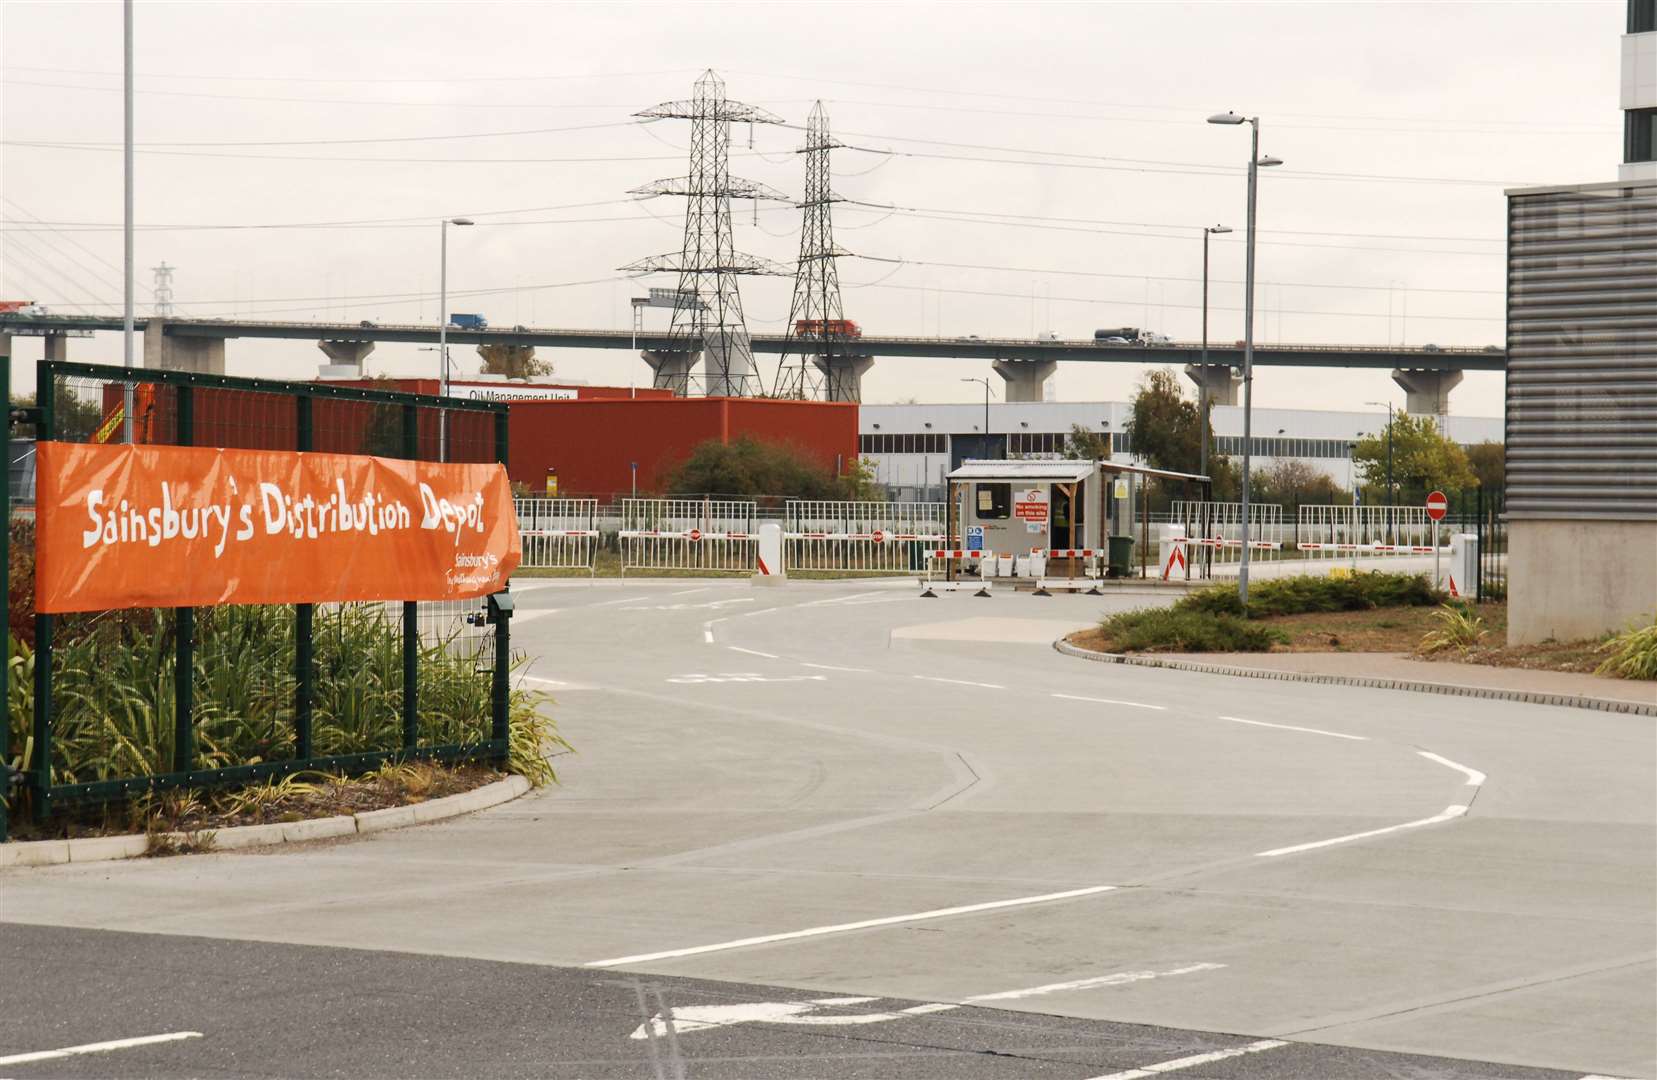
<point>443,339</point>
<point>127,403</point>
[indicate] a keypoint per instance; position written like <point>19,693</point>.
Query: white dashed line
<point>752,652</point>
<point>831,667</point>
<point>1118,979</point>
<point>707,635</point>
<point>841,928</point>
<point>1291,727</point>
<point>98,1047</point>
<point>960,682</point>
<point>1474,777</point>
<point>1108,701</point>
<point>1450,813</point>
<point>1195,1059</point>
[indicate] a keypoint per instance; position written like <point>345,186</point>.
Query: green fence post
<point>411,610</point>
<point>500,696</point>
<point>304,617</point>
<point>5,591</point>
<point>184,625</point>
<point>39,763</point>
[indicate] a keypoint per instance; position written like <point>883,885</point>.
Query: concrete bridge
<point>1426,373</point>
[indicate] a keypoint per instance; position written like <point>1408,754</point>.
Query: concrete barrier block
<point>246,836</point>
<point>35,853</point>
<point>104,848</point>
<point>393,817</point>
<point>319,828</point>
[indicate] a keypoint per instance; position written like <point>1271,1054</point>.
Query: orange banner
<point>177,526</point>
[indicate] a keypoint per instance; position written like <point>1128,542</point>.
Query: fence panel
<point>701,535</point>
<point>558,534</point>
<point>1334,532</point>
<point>128,702</point>
<point>1215,530</point>
<point>861,537</point>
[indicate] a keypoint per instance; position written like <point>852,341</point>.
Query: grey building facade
<point>1581,421</point>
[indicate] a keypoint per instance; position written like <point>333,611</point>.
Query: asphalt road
<point>840,791</point>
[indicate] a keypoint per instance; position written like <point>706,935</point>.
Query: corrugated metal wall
<point>1582,352</point>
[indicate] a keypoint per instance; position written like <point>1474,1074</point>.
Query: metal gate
<point>861,537</point>
<point>1345,531</point>
<point>558,534</point>
<point>1216,529</point>
<point>701,535</point>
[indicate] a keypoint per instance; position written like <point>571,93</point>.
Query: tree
<point>73,418</point>
<point>1489,462</point>
<point>1291,482</point>
<point>1422,460</point>
<point>747,467</point>
<point>1085,445</point>
<point>513,361</point>
<point>1165,431</point>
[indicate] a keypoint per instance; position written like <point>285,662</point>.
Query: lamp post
<point>986,383</point>
<point>1392,496</point>
<point>1255,162</point>
<point>1208,230</point>
<point>443,329</point>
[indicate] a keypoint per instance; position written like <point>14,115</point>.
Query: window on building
<point>1642,16</point>
<point>994,501</point>
<point>1641,135</point>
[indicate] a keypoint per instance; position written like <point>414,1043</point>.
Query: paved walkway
<point>1402,666</point>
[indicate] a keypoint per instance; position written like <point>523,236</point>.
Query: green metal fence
<point>125,703</point>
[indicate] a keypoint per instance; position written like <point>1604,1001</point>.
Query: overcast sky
<point>1051,162</point>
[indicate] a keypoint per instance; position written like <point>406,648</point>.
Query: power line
<point>426,80</point>
<point>345,160</point>
<point>350,142</point>
<point>392,298</point>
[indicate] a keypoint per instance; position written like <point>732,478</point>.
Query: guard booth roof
<point>1062,471</point>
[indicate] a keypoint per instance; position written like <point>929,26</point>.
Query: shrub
<point>1170,630</point>
<point>1300,593</point>
<point>1459,628</point>
<point>1633,654</point>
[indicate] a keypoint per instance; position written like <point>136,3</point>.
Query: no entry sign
<point>1436,505</point>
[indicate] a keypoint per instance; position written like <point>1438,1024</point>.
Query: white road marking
<point>1195,1059</point>
<point>697,678</point>
<point>959,682</point>
<point>831,667</point>
<point>1291,727</point>
<point>707,635</point>
<point>1474,776</point>
<point>806,1013</point>
<point>1108,701</point>
<point>1117,979</point>
<point>752,652</point>
<point>841,928</point>
<point>1450,812</point>
<point>98,1047</point>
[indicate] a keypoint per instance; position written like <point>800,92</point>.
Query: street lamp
<point>986,383</point>
<point>1392,496</point>
<point>1208,230</point>
<point>1255,162</point>
<point>443,328</point>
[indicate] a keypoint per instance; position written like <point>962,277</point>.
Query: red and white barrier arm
<point>689,534</point>
<point>1254,545</point>
<point>955,553</point>
<point>1070,553</point>
<point>557,532</point>
<point>876,537</point>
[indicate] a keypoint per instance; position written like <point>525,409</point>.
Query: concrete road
<point>851,793</point>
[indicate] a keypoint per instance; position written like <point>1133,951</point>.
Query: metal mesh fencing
<point>124,702</point>
<point>1215,529</point>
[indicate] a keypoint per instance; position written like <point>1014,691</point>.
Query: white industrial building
<point>913,446</point>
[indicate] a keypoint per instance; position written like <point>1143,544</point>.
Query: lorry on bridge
<point>468,321</point>
<point>1129,335</point>
<point>838,328</point>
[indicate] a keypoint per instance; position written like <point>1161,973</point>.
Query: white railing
<point>699,535</point>
<point>1333,532</point>
<point>1216,528</point>
<point>558,534</point>
<point>861,537</point>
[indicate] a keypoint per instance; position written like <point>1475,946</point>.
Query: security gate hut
<point>1016,512</point>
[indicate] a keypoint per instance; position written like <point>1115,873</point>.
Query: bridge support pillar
<point>56,347</point>
<point>345,358</point>
<point>162,352</point>
<point>1026,379</point>
<point>843,376</point>
<point>672,369</point>
<point>1216,382</point>
<point>1427,392</point>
